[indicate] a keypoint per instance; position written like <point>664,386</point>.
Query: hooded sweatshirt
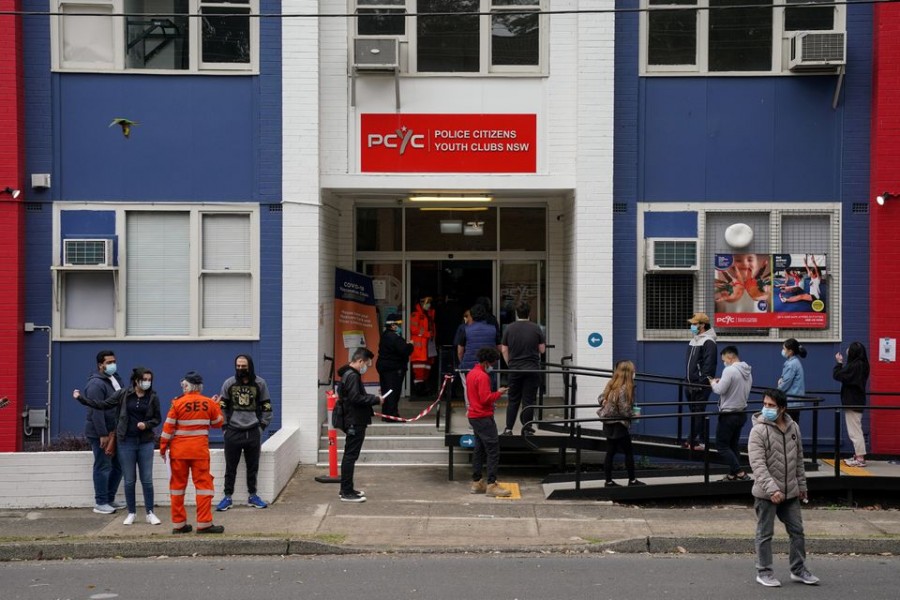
<point>734,387</point>
<point>701,357</point>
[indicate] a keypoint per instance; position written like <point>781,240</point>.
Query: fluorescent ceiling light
<point>451,227</point>
<point>453,209</point>
<point>438,198</point>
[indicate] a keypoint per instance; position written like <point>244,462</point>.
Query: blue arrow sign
<point>595,340</point>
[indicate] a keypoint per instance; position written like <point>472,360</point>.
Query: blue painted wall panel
<point>194,140</point>
<point>670,224</point>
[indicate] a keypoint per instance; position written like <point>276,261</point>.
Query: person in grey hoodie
<point>733,389</point>
<point>779,487</point>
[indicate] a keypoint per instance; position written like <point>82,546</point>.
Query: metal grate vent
<point>860,208</point>
<point>86,252</point>
<point>274,208</point>
<point>671,254</point>
<point>34,207</point>
<point>620,208</point>
<point>823,47</point>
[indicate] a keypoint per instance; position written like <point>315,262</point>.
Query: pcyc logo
<point>401,138</point>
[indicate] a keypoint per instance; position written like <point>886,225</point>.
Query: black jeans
<point>523,389</point>
<point>353,442</point>
<point>248,441</point>
<point>487,446</point>
<point>616,444</point>
<point>392,379</point>
<point>697,399</point>
<point>728,436</point>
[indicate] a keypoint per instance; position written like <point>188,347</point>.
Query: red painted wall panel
<point>12,218</point>
<point>884,223</point>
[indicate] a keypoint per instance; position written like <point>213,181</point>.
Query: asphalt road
<point>451,577</point>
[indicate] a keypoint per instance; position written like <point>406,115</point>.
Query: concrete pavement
<point>415,509</point>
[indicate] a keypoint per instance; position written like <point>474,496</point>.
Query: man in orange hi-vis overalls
<point>421,334</point>
<point>185,437</point>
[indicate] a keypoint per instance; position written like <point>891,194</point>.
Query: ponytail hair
<point>794,346</point>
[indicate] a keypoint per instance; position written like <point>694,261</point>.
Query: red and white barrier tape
<point>447,378</point>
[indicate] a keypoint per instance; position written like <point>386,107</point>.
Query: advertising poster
<point>355,320</point>
<point>770,290</point>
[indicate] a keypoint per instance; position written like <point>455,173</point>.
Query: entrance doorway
<point>454,285</point>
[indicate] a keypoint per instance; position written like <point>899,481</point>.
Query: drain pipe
<point>30,327</point>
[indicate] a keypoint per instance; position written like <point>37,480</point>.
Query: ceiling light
<point>453,209</point>
<point>439,198</point>
<point>451,226</point>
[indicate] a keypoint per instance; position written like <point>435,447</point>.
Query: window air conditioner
<point>817,50</point>
<point>87,253</point>
<point>677,254</point>
<point>376,54</point>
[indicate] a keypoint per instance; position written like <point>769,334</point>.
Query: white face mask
<point>363,369</point>
<point>145,385</point>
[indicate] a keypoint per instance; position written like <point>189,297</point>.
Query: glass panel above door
<point>459,230</point>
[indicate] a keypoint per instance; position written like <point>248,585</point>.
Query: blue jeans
<point>728,438</point>
<point>788,512</point>
<point>135,455</point>
<point>107,474</point>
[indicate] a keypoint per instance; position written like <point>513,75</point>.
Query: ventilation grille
<point>274,208</point>
<point>860,208</point>
<point>620,208</point>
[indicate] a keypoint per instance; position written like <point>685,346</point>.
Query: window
<point>187,272</point>
<point>727,36</point>
<point>460,36</point>
<point>672,288</point>
<point>158,35</point>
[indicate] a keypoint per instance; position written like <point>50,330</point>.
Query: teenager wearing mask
<point>480,411</point>
<point>791,381</point>
<point>853,374</point>
<point>779,487</point>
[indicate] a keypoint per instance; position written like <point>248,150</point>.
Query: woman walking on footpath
<point>617,404</point>
<point>853,374</point>
<point>779,486</point>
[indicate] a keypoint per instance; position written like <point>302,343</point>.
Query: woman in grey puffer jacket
<point>776,457</point>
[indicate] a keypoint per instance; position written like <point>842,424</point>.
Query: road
<point>438,577</point>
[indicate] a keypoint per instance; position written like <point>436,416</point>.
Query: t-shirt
<point>522,339</point>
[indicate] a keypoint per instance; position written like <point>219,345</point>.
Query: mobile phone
<point>387,393</point>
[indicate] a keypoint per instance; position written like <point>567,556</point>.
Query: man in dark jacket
<point>700,368</point>
<point>100,430</point>
<point>247,409</point>
<point>357,416</point>
<point>393,358</point>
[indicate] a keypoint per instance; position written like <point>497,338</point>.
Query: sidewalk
<point>415,509</point>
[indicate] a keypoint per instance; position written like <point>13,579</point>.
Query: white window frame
<point>409,41</point>
<point>780,42</point>
<point>775,212</point>
<point>195,64</point>
<point>119,272</point>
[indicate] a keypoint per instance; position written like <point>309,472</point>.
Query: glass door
<point>522,281</point>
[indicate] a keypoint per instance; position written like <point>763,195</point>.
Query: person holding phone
<point>480,411</point>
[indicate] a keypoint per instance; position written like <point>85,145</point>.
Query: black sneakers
<point>353,497</point>
<point>183,529</point>
<point>212,529</point>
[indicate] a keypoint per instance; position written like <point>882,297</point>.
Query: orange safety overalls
<point>185,436</point>
<point>421,331</point>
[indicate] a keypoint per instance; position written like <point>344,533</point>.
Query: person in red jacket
<point>185,438</point>
<point>481,418</point>
<point>422,335</point>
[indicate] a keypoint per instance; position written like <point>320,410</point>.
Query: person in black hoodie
<point>393,358</point>
<point>357,416</point>
<point>853,375</point>
<point>699,369</point>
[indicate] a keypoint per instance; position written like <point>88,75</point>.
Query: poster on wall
<point>770,290</point>
<point>355,319</point>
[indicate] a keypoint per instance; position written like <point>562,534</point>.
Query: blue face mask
<point>110,369</point>
<point>695,329</point>
<point>399,331</point>
<point>769,414</point>
<point>489,368</point>
<point>784,353</point>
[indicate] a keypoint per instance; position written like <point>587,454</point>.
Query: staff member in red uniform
<point>185,437</point>
<point>422,335</point>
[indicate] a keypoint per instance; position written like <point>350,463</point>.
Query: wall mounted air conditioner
<point>671,254</point>
<point>376,54</point>
<point>95,252</point>
<point>817,50</point>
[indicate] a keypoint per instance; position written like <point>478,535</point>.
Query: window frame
<point>120,272</point>
<point>703,300</point>
<point>409,40</point>
<point>780,42</point>
<point>195,37</point>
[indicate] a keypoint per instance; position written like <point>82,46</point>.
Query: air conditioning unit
<point>97,252</point>
<point>376,53</point>
<point>817,50</point>
<point>676,254</point>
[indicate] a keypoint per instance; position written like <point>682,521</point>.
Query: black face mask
<point>241,373</point>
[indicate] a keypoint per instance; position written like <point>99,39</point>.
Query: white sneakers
<point>151,519</point>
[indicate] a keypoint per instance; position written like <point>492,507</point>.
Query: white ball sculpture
<point>739,235</point>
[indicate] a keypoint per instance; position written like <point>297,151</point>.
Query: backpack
<point>338,417</point>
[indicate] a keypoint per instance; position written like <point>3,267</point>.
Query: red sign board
<point>399,143</point>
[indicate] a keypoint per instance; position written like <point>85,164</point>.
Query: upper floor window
<point>727,36</point>
<point>460,36</point>
<point>159,35</point>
